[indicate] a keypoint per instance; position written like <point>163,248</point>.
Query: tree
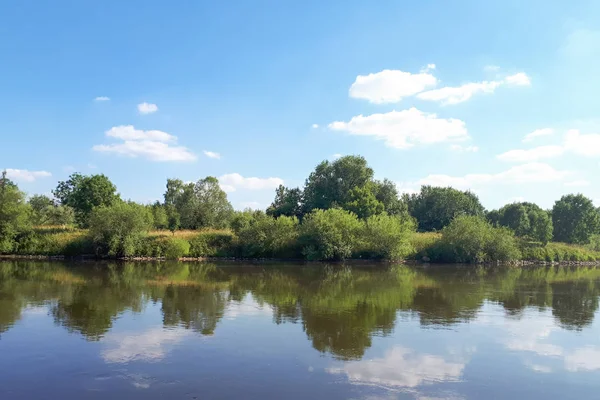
<point>329,185</point>
<point>525,219</point>
<point>287,202</point>
<point>173,220</point>
<point>213,210</point>
<point>159,214</point>
<point>39,203</point>
<point>363,202</point>
<point>435,207</point>
<point>84,193</point>
<point>15,214</point>
<point>117,230</point>
<point>575,219</point>
<point>386,192</point>
<point>329,234</point>
<point>46,212</point>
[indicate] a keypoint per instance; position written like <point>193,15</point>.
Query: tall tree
<point>575,219</point>
<point>83,193</point>
<point>213,209</point>
<point>287,202</point>
<point>435,207</point>
<point>525,219</point>
<point>14,214</point>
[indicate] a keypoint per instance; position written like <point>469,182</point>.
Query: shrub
<point>266,236</point>
<point>470,239</point>
<point>329,234</point>
<point>386,237</point>
<point>175,248</point>
<point>118,230</point>
<point>211,244</point>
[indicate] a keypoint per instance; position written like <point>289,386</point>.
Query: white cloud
<point>519,79</point>
<point>578,183</point>
<point>128,132</point>
<point>153,145</point>
<point>583,145</point>
<point>401,367</point>
<point>212,154</point>
<point>248,307</point>
<point>537,133</point>
<point>491,68</point>
<point>102,98</point>
<point>149,346</point>
<point>408,187</point>
<point>315,126</point>
<point>526,173</point>
<point>235,181</point>
<point>404,129</point>
<point>540,368</point>
<point>465,149</point>
<point>457,94</point>
<point>390,86</point>
<point>24,175</point>
<point>535,154</point>
<point>428,67</point>
<point>336,156</point>
<point>147,108</point>
<point>583,359</point>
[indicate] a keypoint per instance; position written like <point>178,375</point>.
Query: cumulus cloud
<point>535,154</point>
<point>537,133</point>
<point>464,149</point>
<point>457,94</point>
<point>582,144</point>
<point>404,129</point>
<point>212,154</point>
<point>526,173</point>
<point>391,86</point>
<point>235,181</point>
<point>248,307</point>
<point>401,367</point>
<point>102,98</point>
<point>149,346</point>
<point>153,145</point>
<point>578,183</point>
<point>583,359</point>
<point>23,175</point>
<point>147,108</point>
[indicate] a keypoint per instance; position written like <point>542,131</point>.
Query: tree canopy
<point>435,207</point>
<point>575,219</point>
<point>14,214</point>
<point>525,219</point>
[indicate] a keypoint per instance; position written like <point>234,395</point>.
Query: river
<point>287,331</point>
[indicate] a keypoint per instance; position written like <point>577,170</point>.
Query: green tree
<point>387,193</point>
<point>363,202</point>
<point>118,230</point>
<point>287,202</point>
<point>266,236</point>
<point>159,214</point>
<point>575,219</point>
<point>15,214</point>
<point>39,203</point>
<point>213,209</point>
<point>46,212</point>
<point>330,184</point>
<point>329,234</point>
<point>435,207</point>
<point>386,236</point>
<point>525,219</point>
<point>84,193</point>
<point>173,219</point>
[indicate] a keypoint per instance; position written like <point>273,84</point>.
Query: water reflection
<point>419,331</point>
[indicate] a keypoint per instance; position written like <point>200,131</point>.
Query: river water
<point>282,331</point>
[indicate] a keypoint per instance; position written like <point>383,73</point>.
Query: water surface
<point>210,331</point>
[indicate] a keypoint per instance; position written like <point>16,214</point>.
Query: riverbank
<point>219,245</point>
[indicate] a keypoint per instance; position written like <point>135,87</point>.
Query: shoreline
<point>518,263</point>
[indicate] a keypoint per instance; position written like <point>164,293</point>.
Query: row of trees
<point>347,184</point>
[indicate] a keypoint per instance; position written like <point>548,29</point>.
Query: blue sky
<point>447,91</point>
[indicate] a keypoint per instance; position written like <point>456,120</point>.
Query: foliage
<point>265,236</point>
<point>471,239</point>
<point>118,230</point>
<point>242,219</point>
<point>575,219</point>
<point>14,214</point>
<point>525,219</point>
<point>159,216</point>
<point>386,237</point>
<point>287,202</point>
<point>363,202</point>
<point>435,207</point>
<point>174,248</point>
<point>329,234</point>
<point>84,193</point>
<point>211,244</point>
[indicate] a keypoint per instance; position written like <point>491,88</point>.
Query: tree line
<point>341,211</point>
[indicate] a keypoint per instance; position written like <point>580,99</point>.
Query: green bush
<point>386,237</point>
<point>118,230</point>
<point>175,248</point>
<point>211,244</point>
<point>266,236</point>
<point>470,239</point>
<point>329,234</point>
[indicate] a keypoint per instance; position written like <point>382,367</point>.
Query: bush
<point>266,236</point>
<point>386,237</point>
<point>329,234</point>
<point>118,230</point>
<point>211,244</point>
<point>470,239</point>
<point>175,248</point>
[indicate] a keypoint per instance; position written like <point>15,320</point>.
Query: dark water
<point>206,331</point>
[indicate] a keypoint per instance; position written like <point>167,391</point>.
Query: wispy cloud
<point>147,108</point>
<point>24,175</point>
<point>102,98</point>
<point>538,133</point>
<point>212,154</point>
<point>235,181</point>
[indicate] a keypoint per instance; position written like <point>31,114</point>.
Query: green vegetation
<point>342,212</point>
